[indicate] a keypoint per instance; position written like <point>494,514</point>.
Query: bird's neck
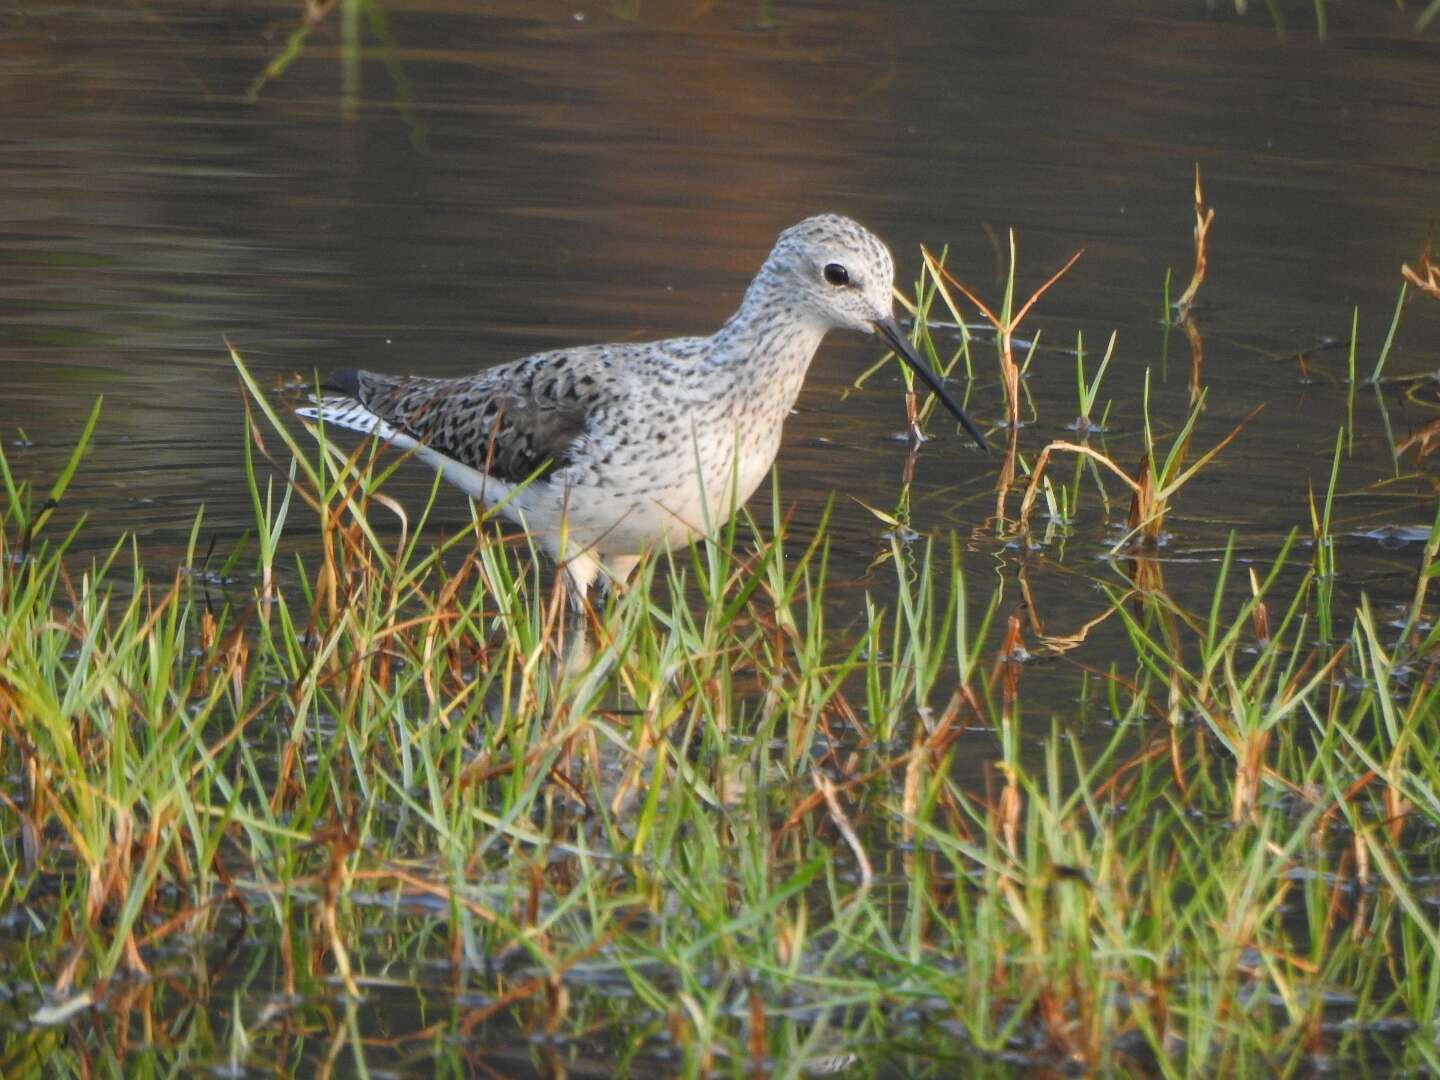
<point>769,341</point>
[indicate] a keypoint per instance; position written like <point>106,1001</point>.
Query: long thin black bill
<point>888,329</point>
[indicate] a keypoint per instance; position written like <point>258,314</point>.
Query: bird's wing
<point>512,422</point>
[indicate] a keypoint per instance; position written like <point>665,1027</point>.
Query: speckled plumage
<point>631,446</point>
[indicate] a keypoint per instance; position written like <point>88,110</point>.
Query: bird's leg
<point>616,571</point>
<point>581,570</point>
<point>577,650</point>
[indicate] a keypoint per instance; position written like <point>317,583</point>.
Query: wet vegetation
<point>358,795</point>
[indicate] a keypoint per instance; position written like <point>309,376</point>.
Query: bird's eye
<point>836,274</point>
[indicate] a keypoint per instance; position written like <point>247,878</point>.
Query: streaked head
<point>842,276</point>
<point>837,269</point>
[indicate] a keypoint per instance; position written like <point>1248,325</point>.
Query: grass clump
<point>709,830</point>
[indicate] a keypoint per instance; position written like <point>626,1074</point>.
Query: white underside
<point>591,532</point>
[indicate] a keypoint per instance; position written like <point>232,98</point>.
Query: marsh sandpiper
<point>603,452</point>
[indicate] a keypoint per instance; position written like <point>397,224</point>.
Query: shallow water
<point>480,185</point>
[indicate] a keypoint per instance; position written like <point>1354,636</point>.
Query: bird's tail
<point>337,410</point>
<point>341,408</point>
<point>346,412</point>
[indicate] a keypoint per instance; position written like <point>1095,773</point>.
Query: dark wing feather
<point>513,422</point>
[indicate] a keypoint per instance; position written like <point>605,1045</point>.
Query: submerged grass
<point>374,801</point>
